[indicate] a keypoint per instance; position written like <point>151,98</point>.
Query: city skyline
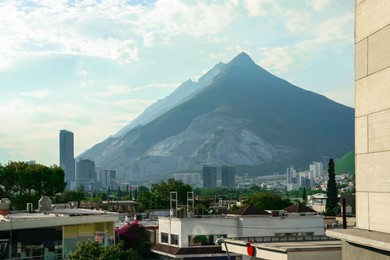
<point>96,65</point>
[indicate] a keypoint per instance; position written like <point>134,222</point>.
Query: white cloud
<point>297,20</point>
<point>256,7</point>
<point>36,94</point>
<point>83,73</point>
<point>162,85</point>
<point>331,33</point>
<point>276,59</point>
<point>155,38</point>
<point>178,17</point>
<point>106,29</point>
<point>113,90</point>
<point>318,5</point>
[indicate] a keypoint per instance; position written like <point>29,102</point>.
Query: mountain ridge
<point>245,116</point>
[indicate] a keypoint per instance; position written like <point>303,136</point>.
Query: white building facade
<point>202,232</point>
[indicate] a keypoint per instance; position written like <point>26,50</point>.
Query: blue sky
<point>91,66</point>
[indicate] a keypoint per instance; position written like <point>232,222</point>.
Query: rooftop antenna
<point>173,204</point>
<point>190,204</point>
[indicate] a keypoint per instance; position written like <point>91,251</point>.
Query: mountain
<point>346,164</point>
<point>182,93</point>
<point>243,116</point>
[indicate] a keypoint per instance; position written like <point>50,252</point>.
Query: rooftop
<point>249,210</point>
<point>299,208</point>
<point>363,237</point>
<point>56,217</point>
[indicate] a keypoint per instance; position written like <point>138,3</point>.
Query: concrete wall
<point>372,114</point>
<point>272,254</point>
<point>352,251</point>
<point>74,233</point>
<point>185,227</point>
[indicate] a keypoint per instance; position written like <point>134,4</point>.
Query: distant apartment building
<point>107,179</point>
<point>290,174</point>
<point>228,176</point>
<point>371,237</point>
<point>303,179</point>
<point>317,168</point>
<point>192,179</point>
<point>209,176</point>
<point>86,174</point>
<point>67,161</point>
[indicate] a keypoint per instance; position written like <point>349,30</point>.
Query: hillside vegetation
<point>346,164</point>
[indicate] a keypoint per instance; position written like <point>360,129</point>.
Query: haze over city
<point>92,66</point>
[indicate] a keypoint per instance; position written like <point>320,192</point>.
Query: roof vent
<point>29,208</point>
<point>4,206</point>
<point>44,204</point>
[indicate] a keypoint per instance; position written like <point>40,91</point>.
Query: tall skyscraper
<point>228,176</point>
<point>67,162</point>
<point>209,175</point>
<point>86,174</point>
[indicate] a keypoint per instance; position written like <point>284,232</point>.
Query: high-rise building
<point>209,175</point>
<point>67,162</point>
<point>228,176</point>
<point>86,174</point>
<point>317,168</point>
<point>192,179</point>
<point>290,173</point>
<point>107,179</point>
<point>371,237</point>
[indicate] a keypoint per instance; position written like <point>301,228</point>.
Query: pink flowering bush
<point>134,236</point>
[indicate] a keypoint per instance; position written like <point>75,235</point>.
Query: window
<point>164,237</point>
<point>174,239</point>
<point>203,240</point>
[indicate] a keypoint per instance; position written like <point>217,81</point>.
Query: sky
<point>92,66</point>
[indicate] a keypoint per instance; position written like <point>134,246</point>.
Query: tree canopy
<point>22,181</point>
<point>158,196</point>
<point>96,251</point>
<point>267,201</point>
<point>161,192</point>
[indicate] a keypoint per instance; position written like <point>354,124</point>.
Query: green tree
<point>144,199</point>
<point>332,207</point>
<point>161,192</point>
<point>24,182</point>
<point>96,251</point>
<point>267,201</point>
<point>67,196</point>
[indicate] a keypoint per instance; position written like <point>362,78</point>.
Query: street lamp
<point>219,241</point>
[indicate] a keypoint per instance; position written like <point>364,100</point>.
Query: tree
<point>267,201</point>
<point>332,207</point>
<point>96,251</point>
<point>23,182</point>
<point>67,196</point>
<point>161,192</point>
<point>144,199</point>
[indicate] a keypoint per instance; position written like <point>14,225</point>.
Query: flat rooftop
<point>56,217</point>
<point>299,246</point>
<point>363,237</point>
